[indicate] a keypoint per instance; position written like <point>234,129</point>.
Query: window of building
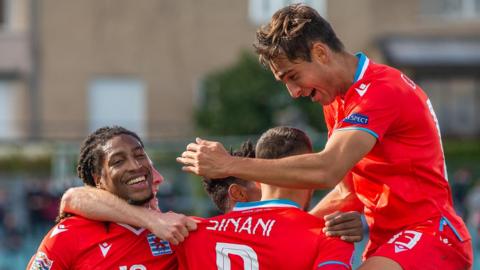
<point>5,10</point>
<point>454,100</point>
<point>451,9</point>
<point>8,105</point>
<point>118,101</point>
<point>260,11</point>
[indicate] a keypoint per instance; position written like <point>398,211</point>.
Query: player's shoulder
<point>301,218</point>
<point>70,227</point>
<point>385,79</point>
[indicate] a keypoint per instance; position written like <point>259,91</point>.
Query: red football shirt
<point>265,235</point>
<point>403,180</point>
<point>80,243</point>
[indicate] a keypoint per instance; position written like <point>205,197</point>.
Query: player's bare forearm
<point>300,171</point>
<point>341,198</point>
<point>318,170</point>
<point>98,204</point>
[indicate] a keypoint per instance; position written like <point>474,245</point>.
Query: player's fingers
<point>350,232</point>
<point>189,154</point>
<point>193,147</point>
<point>352,224</point>
<point>183,231</point>
<point>178,236</point>
<point>342,218</point>
<point>331,216</point>
<point>191,224</point>
<point>199,140</point>
<point>185,161</point>
<point>172,240</point>
<point>351,238</point>
<point>190,169</point>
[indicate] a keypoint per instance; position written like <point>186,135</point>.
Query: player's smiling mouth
<point>136,180</point>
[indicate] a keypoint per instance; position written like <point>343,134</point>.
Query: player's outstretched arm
<point>341,198</point>
<point>318,170</point>
<point>98,204</point>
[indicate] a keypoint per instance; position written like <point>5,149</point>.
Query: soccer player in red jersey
<point>274,233</point>
<point>113,159</point>
<point>384,143</point>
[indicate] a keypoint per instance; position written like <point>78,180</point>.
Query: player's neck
<point>348,63</point>
<point>273,193</point>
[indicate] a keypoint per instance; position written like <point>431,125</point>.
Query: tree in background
<point>246,99</point>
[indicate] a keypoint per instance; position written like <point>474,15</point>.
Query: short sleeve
<point>56,252</point>
<point>334,254</point>
<point>374,112</point>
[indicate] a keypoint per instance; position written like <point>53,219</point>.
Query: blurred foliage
<point>246,99</point>
<point>462,154</point>
<point>20,164</point>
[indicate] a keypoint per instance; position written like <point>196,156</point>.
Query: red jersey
<point>267,235</point>
<point>403,180</point>
<point>80,243</point>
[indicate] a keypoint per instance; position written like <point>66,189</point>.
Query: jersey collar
<point>241,206</point>
<point>363,62</point>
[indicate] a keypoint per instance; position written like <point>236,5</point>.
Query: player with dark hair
<point>224,194</point>
<point>273,233</point>
<point>384,142</point>
<point>112,159</point>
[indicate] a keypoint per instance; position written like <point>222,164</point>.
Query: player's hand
<point>171,227</point>
<point>347,225</point>
<point>206,158</point>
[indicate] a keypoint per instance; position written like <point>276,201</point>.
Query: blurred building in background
<point>68,67</point>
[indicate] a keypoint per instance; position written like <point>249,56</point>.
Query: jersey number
<point>248,255</point>
<point>133,267</point>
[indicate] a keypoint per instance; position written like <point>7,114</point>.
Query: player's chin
<point>140,199</point>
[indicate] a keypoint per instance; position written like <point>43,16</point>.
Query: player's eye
<point>116,162</point>
<point>140,156</point>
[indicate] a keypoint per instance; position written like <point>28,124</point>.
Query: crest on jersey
<point>41,262</point>
<point>158,246</point>
<point>405,240</point>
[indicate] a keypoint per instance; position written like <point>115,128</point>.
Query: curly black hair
<point>91,156</point>
<point>217,189</point>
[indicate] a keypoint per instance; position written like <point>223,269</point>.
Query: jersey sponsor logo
<point>362,89</point>
<point>158,246</point>
<point>58,229</point>
<point>104,248</point>
<point>356,118</point>
<point>41,262</point>
<point>405,240</point>
<point>408,81</point>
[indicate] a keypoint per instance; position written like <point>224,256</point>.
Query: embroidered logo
<point>405,240</point>
<point>356,118</point>
<point>158,246</point>
<point>362,89</point>
<point>104,247</point>
<point>58,229</point>
<point>41,262</point>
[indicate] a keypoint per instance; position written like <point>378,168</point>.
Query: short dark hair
<point>291,32</point>
<point>91,155</point>
<point>217,189</point>
<point>279,142</point>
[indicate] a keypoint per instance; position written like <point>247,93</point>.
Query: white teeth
<point>136,180</point>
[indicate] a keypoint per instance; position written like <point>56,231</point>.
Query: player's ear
<point>320,52</point>
<point>237,193</point>
<point>98,180</point>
